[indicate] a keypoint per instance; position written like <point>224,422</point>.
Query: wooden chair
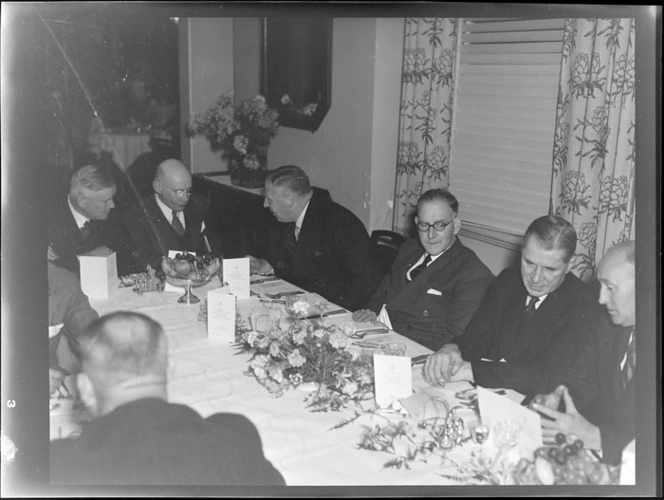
<point>386,245</point>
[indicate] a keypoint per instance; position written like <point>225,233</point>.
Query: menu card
<point>99,272</point>
<point>393,379</point>
<point>221,314</point>
<point>236,274</point>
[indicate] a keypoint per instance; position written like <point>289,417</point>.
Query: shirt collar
<point>168,212</point>
<point>300,219</point>
<point>78,217</point>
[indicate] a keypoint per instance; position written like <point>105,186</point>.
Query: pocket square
<point>433,291</point>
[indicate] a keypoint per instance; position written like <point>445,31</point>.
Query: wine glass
<point>506,435</point>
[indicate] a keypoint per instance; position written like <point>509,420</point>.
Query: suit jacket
<point>67,240</point>
<point>561,327</point>
<point>152,442</point>
<point>153,236</point>
<point>459,277</point>
<point>67,305</point>
<point>333,254</point>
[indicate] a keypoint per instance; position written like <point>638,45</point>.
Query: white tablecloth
<point>126,147</point>
<point>209,376</point>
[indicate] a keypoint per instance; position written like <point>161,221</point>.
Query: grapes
<point>578,444</point>
<point>560,438</point>
<point>570,449</point>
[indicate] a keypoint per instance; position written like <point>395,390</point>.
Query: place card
<point>221,314</point>
<point>393,379</point>
<point>99,272</point>
<point>236,274</point>
<point>495,408</point>
<point>167,286</point>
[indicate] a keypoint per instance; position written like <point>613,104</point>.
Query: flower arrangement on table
<point>243,133</point>
<point>307,352</point>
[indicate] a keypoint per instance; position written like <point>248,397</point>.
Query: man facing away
<point>171,219</point>
<point>86,220</point>
<point>319,245</point>
<point>608,423</point>
<point>436,284</point>
<point>137,437</point>
<point>533,319</point>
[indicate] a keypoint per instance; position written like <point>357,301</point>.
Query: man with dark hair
<point>137,437</point>
<point>318,245</point>
<point>607,424</point>
<point>171,219</point>
<point>86,220</point>
<point>436,284</point>
<point>533,318</point>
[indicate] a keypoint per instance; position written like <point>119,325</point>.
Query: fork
<point>372,331</point>
<point>282,294</point>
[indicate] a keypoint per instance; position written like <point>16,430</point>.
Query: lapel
<point>71,228</point>
<point>303,248</point>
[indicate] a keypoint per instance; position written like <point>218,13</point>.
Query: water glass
<point>393,349</point>
<point>507,433</point>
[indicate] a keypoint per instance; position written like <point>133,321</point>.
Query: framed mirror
<point>296,69</point>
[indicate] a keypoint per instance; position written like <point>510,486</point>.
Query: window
<point>504,121</point>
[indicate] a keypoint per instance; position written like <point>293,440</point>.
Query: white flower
<point>296,359</point>
<point>259,371</point>
<point>263,343</point>
<point>286,100</point>
<point>355,352</point>
<point>320,333</point>
<point>349,388</point>
<point>299,337</point>
<point>251,338</point>
<point>240,143</point>
<point>300,308</point>
<point>338,340</point>
<point>348,327</point>
<point>274,349</point>
<point>260,360</point>
<point>276,373</point>
<point>310,109</point>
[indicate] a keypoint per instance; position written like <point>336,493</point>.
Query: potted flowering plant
<point>243,133</point>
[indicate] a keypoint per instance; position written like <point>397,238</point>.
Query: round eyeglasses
<point>178,192</point>
<point>438,225</point>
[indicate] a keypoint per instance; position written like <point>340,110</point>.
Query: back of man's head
<point>91,178</point>
<point>124,357</point>
<point>553,233</point>
<point>292,177</point>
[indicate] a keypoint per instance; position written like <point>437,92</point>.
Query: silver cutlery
<point>264,280</point>
<point>283,294</point>
<point>326,314</point>
<point>372,331</point>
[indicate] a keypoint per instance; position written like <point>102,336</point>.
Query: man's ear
<point>156,185</point>
<point>457,224</point>
<point>87,393</point>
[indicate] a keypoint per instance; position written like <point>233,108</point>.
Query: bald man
<point>136,437</point>
<point>171,219</point>
<point>607,424</point>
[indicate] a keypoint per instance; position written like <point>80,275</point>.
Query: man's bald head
<point>616,274</point>
<point>172,183</point>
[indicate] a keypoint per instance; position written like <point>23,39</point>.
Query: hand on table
<point>362,315</point>
<point>259,266</point>
<point>570,422</point>
<point>551,400</point>
<point>442,366</point>
<point>56,377</point>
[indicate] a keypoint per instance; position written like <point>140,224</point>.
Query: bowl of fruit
<point>566,462</point>
<point>188,270</point>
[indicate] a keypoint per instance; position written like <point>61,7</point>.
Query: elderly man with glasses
<point>171,219</point>
<point>436,283</point>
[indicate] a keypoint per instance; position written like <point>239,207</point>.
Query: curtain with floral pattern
<point>594,154</point>
<point>427,90</point>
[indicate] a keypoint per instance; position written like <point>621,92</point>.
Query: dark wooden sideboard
<point>242,220</point>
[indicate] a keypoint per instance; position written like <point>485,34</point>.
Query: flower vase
<point>246,177</point>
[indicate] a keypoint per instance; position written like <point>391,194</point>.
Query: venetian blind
<point>504,120</point>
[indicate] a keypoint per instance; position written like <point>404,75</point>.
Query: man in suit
<point>85,220</point>
<point>318,244</point>
<point>436,284</point>
<point>136,437</point>
<point>608,423</point>
<point>69,313</point>
<point>532,320</point>
<point>171,219</point>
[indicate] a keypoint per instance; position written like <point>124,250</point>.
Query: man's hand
<point>362,315</point>
<point>259,266</point>
<point>55,380</point>
<point>551,400</point>
<point>570,422</point>
<point>441,366</point>
<point>51,254</point>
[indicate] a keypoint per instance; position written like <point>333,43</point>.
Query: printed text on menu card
<point>236,275</point>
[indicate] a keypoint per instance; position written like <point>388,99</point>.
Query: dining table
<point>210,375</point>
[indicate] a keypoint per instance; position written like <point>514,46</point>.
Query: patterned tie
<point>630,363</point>
<point>530,308</point>
<point>85,230</point>
<point>289,239</point>
<point>417,270</point>
<point>177,225</point>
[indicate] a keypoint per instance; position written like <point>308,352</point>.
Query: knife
<point>418,360</point>
<point>264,280</point>
<point>317,316</point>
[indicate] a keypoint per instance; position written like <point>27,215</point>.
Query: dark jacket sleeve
<point>144,237</point>
<point>381,294</point>
<point>117,239</point>
<point>249,449</point>
<point>467,296</point>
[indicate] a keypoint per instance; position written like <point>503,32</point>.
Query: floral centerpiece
<point>306,353</point>
<point>243,133</point>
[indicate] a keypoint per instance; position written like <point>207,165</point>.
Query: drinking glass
<point>393,349</point>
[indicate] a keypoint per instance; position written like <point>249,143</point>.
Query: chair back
<point>386,246</point>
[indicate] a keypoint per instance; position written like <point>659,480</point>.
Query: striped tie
<point>417,270</point>
<point>85,230</point>
<point>530,308</point>
<point>630,363</point>
<point>177,225</point>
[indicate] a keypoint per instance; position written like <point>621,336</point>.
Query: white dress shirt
<point>80,219</point>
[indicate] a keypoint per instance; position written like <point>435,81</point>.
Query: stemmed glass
<point>506,434</point>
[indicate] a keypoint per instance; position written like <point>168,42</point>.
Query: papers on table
<point>236,274</point>
<point>495,408</point>
<point>393,379</point>
<point>221,314</point>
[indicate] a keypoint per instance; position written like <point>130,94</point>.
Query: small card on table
<point>221,314</point>
<point>236,274</point>
<point>393,379</point>
<point>99,272</point>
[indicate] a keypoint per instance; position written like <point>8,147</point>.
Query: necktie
<point>85,230</point>
<point>289,239</point>
<point>417,270</point>
<point>296,232</point>
<point>630,363</point>
<point>530,307</point>
<point>177,225</point>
